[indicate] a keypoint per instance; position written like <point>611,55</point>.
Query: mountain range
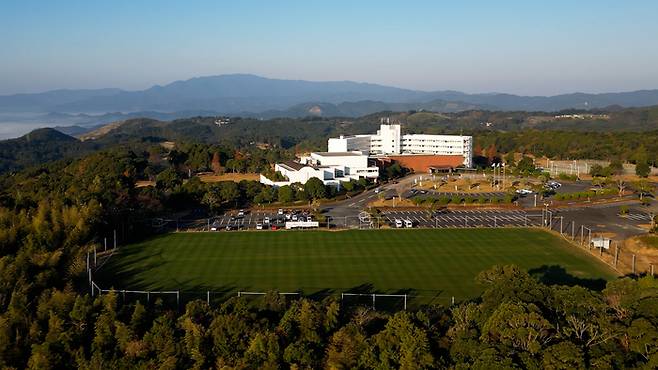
<point>249,95</point>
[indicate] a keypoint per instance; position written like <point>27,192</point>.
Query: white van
<point>408,223</point>
<point>398,223</point>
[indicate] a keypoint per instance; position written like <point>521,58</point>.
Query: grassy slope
<point>428,262</point>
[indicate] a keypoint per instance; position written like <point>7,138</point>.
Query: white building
<point>389,141</point>
<point>330,167</point>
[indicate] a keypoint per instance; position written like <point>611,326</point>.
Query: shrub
<point>623,210</point>
<point>456,199</point>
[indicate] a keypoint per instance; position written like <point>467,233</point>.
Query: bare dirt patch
<point>237,177</point>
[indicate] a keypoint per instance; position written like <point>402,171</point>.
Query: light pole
<point>503,176</point>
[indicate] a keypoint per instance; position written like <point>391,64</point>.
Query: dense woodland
<point>626,134</point>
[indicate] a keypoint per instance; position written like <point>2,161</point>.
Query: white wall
<point>336,144</point>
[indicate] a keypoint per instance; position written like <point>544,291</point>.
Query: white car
<point>398,223</point>
<point>294,217</point>
<point>524,191</point>
<point>241,213</point>
<point>259,226</point>
<point>376,190</point>
<point>288,216</point>
<point>280,212</point>
<point>266,220</point>
<point>408,223</point>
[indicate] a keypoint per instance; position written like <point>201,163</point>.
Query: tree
<point>215,164</point>
<point>229,191</point>
<point>596,170</point>
<point>285,194</point>
<point>492,153</point>
<point>168,179</point>
<point>509,159</point>
<point>621,186</point>
<point>616,167</point>
<point>315,188</point>
<point>401,345</point>
<point>642,169</point>
<point>563,355</point>
<point>526,165</point>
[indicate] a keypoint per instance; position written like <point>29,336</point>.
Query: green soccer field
<point>428,263</point>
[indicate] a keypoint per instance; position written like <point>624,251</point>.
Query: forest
<point>626,134</point>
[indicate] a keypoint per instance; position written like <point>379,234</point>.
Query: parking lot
<point>234,221</point>
<point>470,218</point>
<point>443,219</point>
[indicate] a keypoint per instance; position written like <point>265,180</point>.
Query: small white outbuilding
<point>601,242</point>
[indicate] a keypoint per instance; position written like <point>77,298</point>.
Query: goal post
<point>373,299</point>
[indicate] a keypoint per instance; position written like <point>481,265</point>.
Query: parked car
<point>524,192</point>
<point>259,226</point>
<point>408,223</point>
<point>553,185</point>
<point>280,212</point>
<point>398,223</point>
<point>241,213</point>
<point>214,226</point>
<point>266,220</point>
<point>294,217</point>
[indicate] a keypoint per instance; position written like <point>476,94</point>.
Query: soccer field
<point>427,263</point>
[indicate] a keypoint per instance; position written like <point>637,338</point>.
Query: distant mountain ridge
<point>250,95</point>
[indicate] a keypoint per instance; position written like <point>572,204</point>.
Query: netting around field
<point>381,302</point>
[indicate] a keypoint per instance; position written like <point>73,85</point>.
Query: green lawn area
<point>428,263</point>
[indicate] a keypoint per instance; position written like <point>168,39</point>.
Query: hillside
<point>39,146</point>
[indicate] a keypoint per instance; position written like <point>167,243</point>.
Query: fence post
<point>582,235</point>
<point>105,243</point>
<point>465,221</point>
<point>634,264</point>
<point>453,300</point>
<point>373,301</point>
<point>651,268</point>
<point>616,254</point>
<point>495,223</point>
<point>148,296</point>
<point>405,296</point>
<point>208,297</point>
<point>178,298</point>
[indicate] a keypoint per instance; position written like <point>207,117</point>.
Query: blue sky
<point>524,47</point>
